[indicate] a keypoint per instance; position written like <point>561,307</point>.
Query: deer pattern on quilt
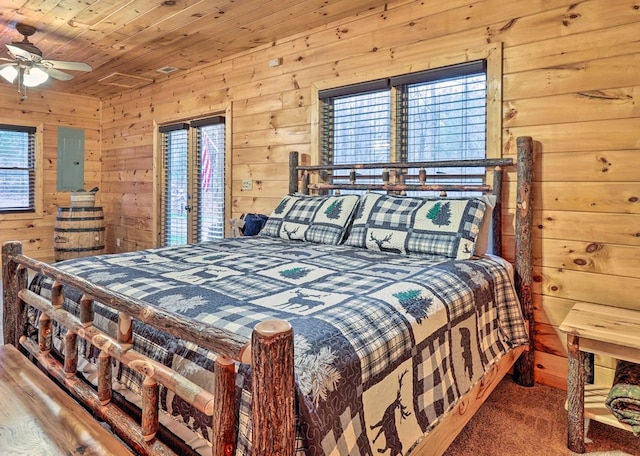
<point>369,398</point>
<point>387,423</point>
<point>380,242</point>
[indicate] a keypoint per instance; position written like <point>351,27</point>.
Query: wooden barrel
<point>83,199</point>
<point>79,232</point>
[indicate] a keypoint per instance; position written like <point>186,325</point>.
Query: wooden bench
<point>599,329</point>
<point>38,417</point>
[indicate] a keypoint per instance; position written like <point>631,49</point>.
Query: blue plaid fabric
<point>373,330</point>
<point>423,226</point>
<point>318,219</point>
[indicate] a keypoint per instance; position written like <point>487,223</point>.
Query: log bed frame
<point>271,348</point>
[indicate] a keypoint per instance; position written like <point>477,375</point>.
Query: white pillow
<point>484,241</point>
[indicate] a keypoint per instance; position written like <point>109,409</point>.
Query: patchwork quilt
<point>623,400</point>
<point>385,344</point>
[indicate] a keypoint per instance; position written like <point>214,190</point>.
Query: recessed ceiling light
<point>166,69</point>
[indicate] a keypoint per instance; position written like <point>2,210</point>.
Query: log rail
<point>271,340</point>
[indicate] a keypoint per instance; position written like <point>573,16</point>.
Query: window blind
<point>176,200</point>
<point>17,168</point>
<point>429,115</point>
<point>445,119</point>
<point>209,178</point>
<point>356,129</point>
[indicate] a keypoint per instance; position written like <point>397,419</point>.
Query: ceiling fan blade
<point>62,65</point>
<point>57,74</point>
<point>21,54</point>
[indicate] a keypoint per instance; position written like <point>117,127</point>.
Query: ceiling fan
<point>28,66</point>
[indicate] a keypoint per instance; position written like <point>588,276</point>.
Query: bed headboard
<point>400,178</point>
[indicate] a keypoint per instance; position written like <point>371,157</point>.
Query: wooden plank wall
<point>570,75</point>
<point>50,110</point>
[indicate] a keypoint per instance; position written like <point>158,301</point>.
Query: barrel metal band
<point>79,230</point>
<point>79,249</point>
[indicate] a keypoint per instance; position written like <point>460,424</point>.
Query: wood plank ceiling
<point>127,42</point>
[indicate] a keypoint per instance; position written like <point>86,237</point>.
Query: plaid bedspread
<point>385,344</point>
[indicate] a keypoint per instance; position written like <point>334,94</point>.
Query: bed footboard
<point>270,352</point>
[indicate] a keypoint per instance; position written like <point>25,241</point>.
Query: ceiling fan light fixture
<point>9,73</point>
<point>33,77</point>
<point>29,69</point>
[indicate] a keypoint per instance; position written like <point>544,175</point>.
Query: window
<point>193,181</point>
<point>210,153</point>
<point>17,169</point>
<point>430,115</point>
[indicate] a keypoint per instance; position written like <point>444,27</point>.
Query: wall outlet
<point>117,242</point>
<point>247,184</point>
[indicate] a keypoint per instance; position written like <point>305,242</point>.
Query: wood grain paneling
<point>569,81</point>
<point>136,39</point>
<point>595,257</point>
<point>598,227</point>
<point>577,107</point>
<point>50,110</point>
<point>583,286</point>
<point>589,166</point>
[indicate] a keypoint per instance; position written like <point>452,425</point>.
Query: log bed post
<point>86,311</point>
<point>497,211</point>
<point>125,331</point>
<point>150,414</point>
<point>524,367</point>
<point>294,160</point>
<point>273,389</point>
<point>14,278</point>
<point>223,419</point>
<point>44,333</point>
<point>575,394</point>
<point>70,353</point>
<point>57,295</point>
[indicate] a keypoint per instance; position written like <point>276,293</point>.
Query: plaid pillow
<point>319,219</point>
<point>400,224</point>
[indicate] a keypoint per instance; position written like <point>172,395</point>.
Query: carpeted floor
<point>532,421</point>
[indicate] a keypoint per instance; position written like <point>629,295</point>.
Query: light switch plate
<point>247,184</point>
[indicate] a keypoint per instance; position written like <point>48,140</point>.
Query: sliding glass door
<point>193,185</point>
